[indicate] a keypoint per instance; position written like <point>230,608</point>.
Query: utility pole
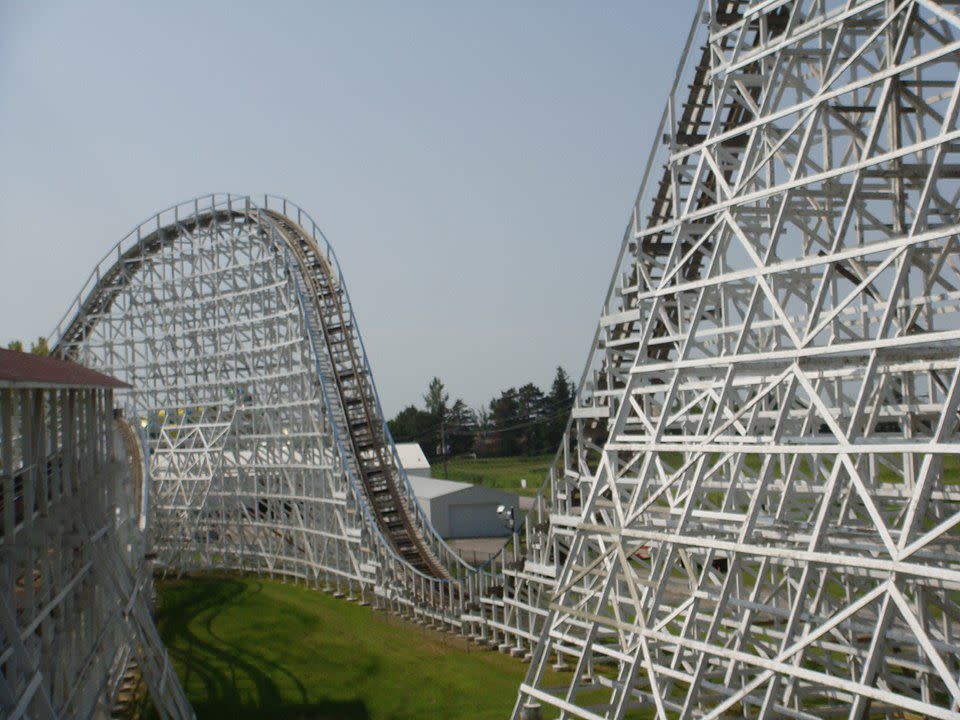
<point>443,441</point>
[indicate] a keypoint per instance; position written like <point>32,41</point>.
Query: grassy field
<point>256,648</point>
<point>504,473</point>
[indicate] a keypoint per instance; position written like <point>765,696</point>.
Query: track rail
<point>357,414</point>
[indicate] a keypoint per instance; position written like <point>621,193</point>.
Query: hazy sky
<point>473,164</point>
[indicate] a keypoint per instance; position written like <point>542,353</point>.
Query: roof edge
<point>20,369</point>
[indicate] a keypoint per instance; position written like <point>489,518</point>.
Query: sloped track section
<point>355,402</point>
<point>231,321</point>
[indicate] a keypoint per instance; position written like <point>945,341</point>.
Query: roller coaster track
<point>749,513</point>
<point>356,407</point>
<point>675,528</point>
<point>353,410</point>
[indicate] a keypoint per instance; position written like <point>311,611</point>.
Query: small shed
<point>413,459</point>
<point>462,510</point>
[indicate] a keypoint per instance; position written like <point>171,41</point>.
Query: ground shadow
<point>227,671</point>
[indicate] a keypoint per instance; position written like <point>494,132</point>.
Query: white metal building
<point>413,459</point>
<point>462,510</point>
<point>456,509</point>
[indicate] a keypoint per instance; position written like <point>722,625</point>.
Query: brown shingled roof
<point>19,368</point>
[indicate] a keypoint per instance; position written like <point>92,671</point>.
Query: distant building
<point>413,459</point>
<point>456,509</point>
<point>462,510</point>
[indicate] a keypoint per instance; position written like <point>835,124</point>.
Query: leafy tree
<point>40,347</point>
<point>460,416</point>
<point>411,425</point>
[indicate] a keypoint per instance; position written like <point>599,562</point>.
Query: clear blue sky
<point>473,164</point>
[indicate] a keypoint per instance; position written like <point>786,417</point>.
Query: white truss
<point>765,443</point>
<point>268,449</point>
<point>754,510</point>
<point>74,607</point>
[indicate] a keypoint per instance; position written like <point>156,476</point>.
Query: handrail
<point>217,200</point>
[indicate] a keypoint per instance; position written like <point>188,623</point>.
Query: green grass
<point>256,648</point>
<point>502,472</point>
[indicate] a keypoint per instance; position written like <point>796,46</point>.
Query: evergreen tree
<point>504,417</point>
<point>436,398</point>
<point>411,425</point>
<point>560,401</point>
<point>461,426</point>
<point>520,420</point>
<point>530,401</point>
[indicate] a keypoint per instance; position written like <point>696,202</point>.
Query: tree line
<point>37,348</point>
<point>521,420</point>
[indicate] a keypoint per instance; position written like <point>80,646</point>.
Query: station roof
<point>20,369</point>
